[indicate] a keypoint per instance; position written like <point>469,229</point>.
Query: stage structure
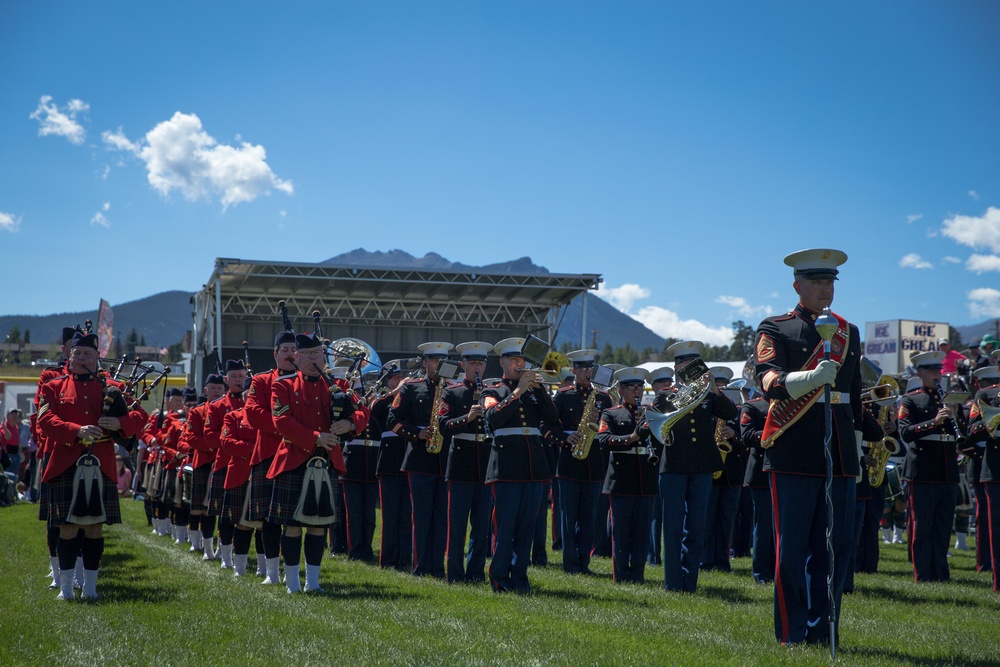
<point>392,309</point>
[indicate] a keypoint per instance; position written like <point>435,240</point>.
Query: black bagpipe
<point>87,506</point>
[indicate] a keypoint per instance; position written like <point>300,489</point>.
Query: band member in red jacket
<point>74,415</point>
<point>312,417</point>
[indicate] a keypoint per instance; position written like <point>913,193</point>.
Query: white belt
<point>389,434</point>
<point>473,437</point>
<point>363,443</point>
<point>517,430</point>
<point>644,451</point>
<point>836,398</point>
<point>940,437</point>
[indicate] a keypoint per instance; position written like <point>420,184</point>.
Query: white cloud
<point>983,232</point>
<point>974,194</point>
<point>53,120</point>
<point>180,155</point>
<point>984,302</point>
<point>910,219</point>
<point>742,306</point>
<point>623,297</point>
<point>951,260</point>
<point>668,324</point>
<point>283,213</point>
<point>99,217</point>
<point>915,261</point>
<point>983,263</point>
<point>9,223</point>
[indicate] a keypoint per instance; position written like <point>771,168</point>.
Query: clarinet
<point>956,430</point>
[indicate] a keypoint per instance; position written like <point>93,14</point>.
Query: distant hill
<point>612,325</point>
<point>977,331</point>
<point>430,261</point>
<point>162,319</point>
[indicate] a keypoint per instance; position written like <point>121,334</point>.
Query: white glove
<point>800,383</point>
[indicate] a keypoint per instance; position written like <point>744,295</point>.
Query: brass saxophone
<point>880,451</point>
<point>723,445</point>
<point>435,439</point>
<point>587,427</point>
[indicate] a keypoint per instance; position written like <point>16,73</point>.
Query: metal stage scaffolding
<point>392,309</point>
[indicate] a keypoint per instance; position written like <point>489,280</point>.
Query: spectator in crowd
<point>124,477</point>
<point>10,439</point>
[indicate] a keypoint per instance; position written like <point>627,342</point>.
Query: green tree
<point>131,340</point>
<point>607,354</point>
<point>743,340</point>
<point>14,338</point>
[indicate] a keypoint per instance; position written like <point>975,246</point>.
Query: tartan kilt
<point>215,491</point>
<point>285,497</point>
<point>232,503</point>
<point>61,499</point>
<point>43,492</point>
<point>164,488</point>
<point>260,491</point>
<point>199,487</point>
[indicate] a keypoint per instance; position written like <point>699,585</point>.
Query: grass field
<point>163,606</point>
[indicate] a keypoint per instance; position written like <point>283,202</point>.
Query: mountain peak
<point>396,258</point>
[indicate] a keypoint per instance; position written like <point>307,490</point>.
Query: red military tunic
<point>194,437</point>
<point>237,440</point>
<point>214,416</point>
<point>258,414</point>
<point>300,406</point>
<point>69,403</point>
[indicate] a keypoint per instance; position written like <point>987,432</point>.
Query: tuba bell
<point>688,397</point>
<point>991,417</point>
<point>552,364</point>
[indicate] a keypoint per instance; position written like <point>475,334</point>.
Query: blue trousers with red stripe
<point>429,498</point>
<point>992,492</point>
<point>984,557</point>
<point>930,516</point>
<point>360,501</point>
<point>396,541</point>
<point>469,505</point>
<point>800,521</point>
<point>515,506</point>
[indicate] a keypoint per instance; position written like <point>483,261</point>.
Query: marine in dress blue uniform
<point>660,379</point>
<point>931,470</point>
<point>396,538</point>
<point>360,492</point>
<point>685,479</point>
<point>515,410</point>
<point>788,353</point>
<point>987,447</point>
<point>469,501</point>
<point>752,415</point>
<point>724,500</point>
<point>630,481</point>
<point>988,381</point>
<point>410,417</point>
<point>580,480</point>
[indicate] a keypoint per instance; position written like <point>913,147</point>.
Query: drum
<point>187,484</point>
<point>893,483</point>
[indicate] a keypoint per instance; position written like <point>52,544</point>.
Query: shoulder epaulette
<point>286,377</point>
<point>566,388</point>
<point>411,381</point>
<point>449,384</point>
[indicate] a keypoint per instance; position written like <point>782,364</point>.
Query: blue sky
<point>681,150</point>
